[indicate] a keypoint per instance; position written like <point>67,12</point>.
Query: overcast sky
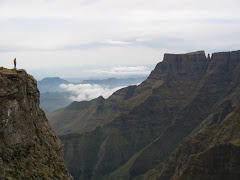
<point>70,35</point>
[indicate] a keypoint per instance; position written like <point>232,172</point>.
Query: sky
<point>84,38</point>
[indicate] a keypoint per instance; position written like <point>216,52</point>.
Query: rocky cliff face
<point>29,148</point>
<point>181,64</point>
<point>182,95</point>
<point>212,152</point>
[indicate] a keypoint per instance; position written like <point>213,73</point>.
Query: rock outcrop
<point>29,148</point>
<point>182,64</point>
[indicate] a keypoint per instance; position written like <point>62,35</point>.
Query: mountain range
<point>53,97</point>
<point>182,122</point>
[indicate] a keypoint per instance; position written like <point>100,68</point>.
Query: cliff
<point>146,123</point>
<point>212,153</point>
<point>213,149</point>
<point>217,83</point>
<point>29,148</point>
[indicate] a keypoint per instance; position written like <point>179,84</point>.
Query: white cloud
<point>114,42</point>
<point>86,92</point>
<point>123,71</point>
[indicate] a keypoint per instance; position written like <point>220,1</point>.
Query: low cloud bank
<point>86,92</point>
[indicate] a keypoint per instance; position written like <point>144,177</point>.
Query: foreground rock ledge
<point>29,148</point>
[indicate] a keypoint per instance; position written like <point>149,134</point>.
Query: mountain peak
<point>194,63</point>
<point>190,53</point>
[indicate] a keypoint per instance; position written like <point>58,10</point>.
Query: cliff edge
<point>29,148</point>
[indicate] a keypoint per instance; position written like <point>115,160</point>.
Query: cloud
<point>87,92</point>
<point>123,71</point>
<point>56,33</point>
<point>81,59</point>
<point>114,42</point>
<point>138,10</point>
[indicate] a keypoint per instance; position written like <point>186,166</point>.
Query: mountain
<point>212,150</point>
<point>52,97</point>
<point>29,148</point>
<point>51,101</point>
<point>85,116</point>
<point>51,84</point>
<point>140,128</point>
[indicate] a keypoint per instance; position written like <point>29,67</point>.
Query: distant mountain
<point>51,84</point>
<point>51,101</point>
<point>55,98</point>
<point>182,122</point>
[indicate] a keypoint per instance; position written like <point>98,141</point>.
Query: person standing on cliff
<point>15,63</point>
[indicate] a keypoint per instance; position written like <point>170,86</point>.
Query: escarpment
<point>29,148</point>
<point>181,64</point>
<point>182,96</point>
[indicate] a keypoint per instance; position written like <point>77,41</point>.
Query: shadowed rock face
<point>217,83</point>
<point>181,64</point>
<point>29,148</point>
<point>181,96</point>
<point>212,153</point>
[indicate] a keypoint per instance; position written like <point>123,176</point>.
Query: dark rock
<point>29,148</point>
<point>181,64</point>
<point>1,169</point>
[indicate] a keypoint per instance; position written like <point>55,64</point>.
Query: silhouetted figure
<point>15,63</point>
<point>208,56</point>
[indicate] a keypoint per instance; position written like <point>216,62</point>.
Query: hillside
<point>142,125</point>
<point>29,148</point>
